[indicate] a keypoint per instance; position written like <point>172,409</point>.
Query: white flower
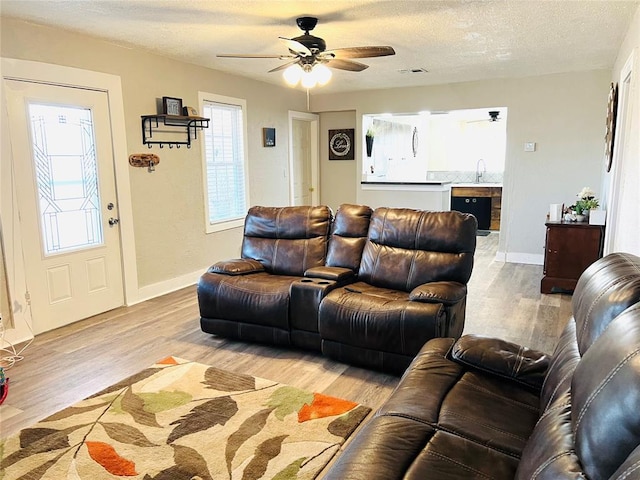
<point>585,193</point>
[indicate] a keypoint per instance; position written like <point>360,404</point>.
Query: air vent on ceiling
<point>413,70</point>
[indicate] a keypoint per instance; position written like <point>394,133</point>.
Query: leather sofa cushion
<point>406,248</point>
<point>603,291</point>
<point>449,396</point>
<point>447,293</point>
<point>564,361</point>
<point>396,446</point>
<point>338,274</point>
<point>606,397</point>
<point>287,240</point>
<point>378,319</point>
<point>238,266</point>
<point>259,298</point>
<point>348,236</point>
<point>505,359</point>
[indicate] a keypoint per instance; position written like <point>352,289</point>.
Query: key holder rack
<point>154,125</point>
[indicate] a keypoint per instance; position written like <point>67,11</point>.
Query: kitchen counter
<point>479,185</point>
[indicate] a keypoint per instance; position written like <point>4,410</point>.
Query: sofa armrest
<point>337,274</point>
<point>447,293</point>
<point>238,266</point>
<point>505,359</point>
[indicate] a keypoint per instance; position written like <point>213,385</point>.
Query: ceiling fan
<point>494,116</point>
<point>308,57</point>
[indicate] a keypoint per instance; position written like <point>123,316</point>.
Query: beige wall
<point>336,176</point>
<point>564,114</point>
<point>168,205</point>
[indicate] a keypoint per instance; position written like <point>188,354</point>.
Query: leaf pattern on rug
<point>134,406</point>
<point>287,400</point>
<point>250,427</point>
<point>123,433</point>
<point>266,451</point>
<point>224,381</point>
<point>162,401</point>
<point>204,416</point>
<point>243,427</point>
<point>108,458</point>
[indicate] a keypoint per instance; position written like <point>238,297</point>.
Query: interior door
<point>301,175</point>
<point>64,174</point>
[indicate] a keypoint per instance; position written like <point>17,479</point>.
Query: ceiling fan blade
<point>350,65</point>
<point>251,55</point>
<point>360,52</point>
<point>296,46</point>
<point>284,65</point>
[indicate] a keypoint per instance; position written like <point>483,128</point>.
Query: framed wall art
<point>171,106</point>
<point>341,144</point>
<point>268,137</point>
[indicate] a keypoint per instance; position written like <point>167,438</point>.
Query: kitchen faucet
<point>478,172</point>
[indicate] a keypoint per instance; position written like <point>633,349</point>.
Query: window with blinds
<point>225,164</point>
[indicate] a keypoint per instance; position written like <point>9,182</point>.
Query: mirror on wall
<point>435,146</point>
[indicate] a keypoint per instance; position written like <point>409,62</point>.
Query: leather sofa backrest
<point>606,397</point>
<point>406,248</point>
<point>348,236</point>
<point>287,240</point>
<point>604,290</point>
<point>589,422</point>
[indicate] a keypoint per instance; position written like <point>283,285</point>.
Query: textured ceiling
<point>454,40</point>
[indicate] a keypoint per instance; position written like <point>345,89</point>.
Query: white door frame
<point>14,69</point>
<point>315,148</point>
<point>623,129</point>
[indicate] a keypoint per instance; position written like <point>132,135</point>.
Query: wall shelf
<point>154,124</point>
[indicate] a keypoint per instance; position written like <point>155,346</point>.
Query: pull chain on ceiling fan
<point>309,59</point>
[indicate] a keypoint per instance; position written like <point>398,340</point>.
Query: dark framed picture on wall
<point>268,137</point>
<point>341,144</point>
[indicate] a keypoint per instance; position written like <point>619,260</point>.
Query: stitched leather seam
<point>516,367</point>
<point>439,427</point>
<point>508,400</point>
<point>475,421</point>
<point>555,390</point>
<point>463,466</point>
<point>549,461</point>
<point>554,409</point>
<point>630,470</point>
<point>604,383</point>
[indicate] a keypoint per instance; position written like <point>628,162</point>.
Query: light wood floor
<point>66,365</point>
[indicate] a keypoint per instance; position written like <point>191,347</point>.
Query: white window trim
<point>242,103</point>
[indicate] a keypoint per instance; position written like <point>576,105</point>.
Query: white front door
<point>64,176</point>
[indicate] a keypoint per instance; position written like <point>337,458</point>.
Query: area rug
<point>184,420</point>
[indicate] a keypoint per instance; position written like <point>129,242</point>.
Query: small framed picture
<point>341,144</point>
<point>171,106</point>
<point>189,112</point>
<point>269,137</point>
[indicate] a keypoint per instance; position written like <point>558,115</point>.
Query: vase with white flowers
<point>586,201</point>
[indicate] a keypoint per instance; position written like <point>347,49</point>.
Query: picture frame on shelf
<point>172,106</point>
<point>268,137</point>
<point>189,112</point>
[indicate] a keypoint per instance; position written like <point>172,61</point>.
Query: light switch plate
<point>530,147</point>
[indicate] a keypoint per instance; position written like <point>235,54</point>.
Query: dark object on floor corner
<point>483,233</point>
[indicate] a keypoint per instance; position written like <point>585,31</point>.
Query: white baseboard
<point>161,288</point>
<point>515,257</point>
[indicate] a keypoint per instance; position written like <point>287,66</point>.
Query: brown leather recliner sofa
<point>484,408</point>
<point>366,287</point>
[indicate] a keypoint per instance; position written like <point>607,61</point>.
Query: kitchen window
<point>225,168</point>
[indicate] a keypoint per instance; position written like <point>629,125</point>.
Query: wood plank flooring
<point>66,365</point>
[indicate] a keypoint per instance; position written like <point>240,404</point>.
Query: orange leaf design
<point>168,361</point>
<point>113,463</point>
<point>324,406</point>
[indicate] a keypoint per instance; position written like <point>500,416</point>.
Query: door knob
<point>113,221</point>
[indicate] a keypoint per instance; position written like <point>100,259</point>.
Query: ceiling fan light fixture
<point>292,75</point>
<point>322,73</point>
<point>309,79</point>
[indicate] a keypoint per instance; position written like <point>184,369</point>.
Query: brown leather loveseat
<point>391,279</point>
<point>484,408</point>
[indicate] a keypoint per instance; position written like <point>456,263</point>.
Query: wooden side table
<point>569,249</point>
